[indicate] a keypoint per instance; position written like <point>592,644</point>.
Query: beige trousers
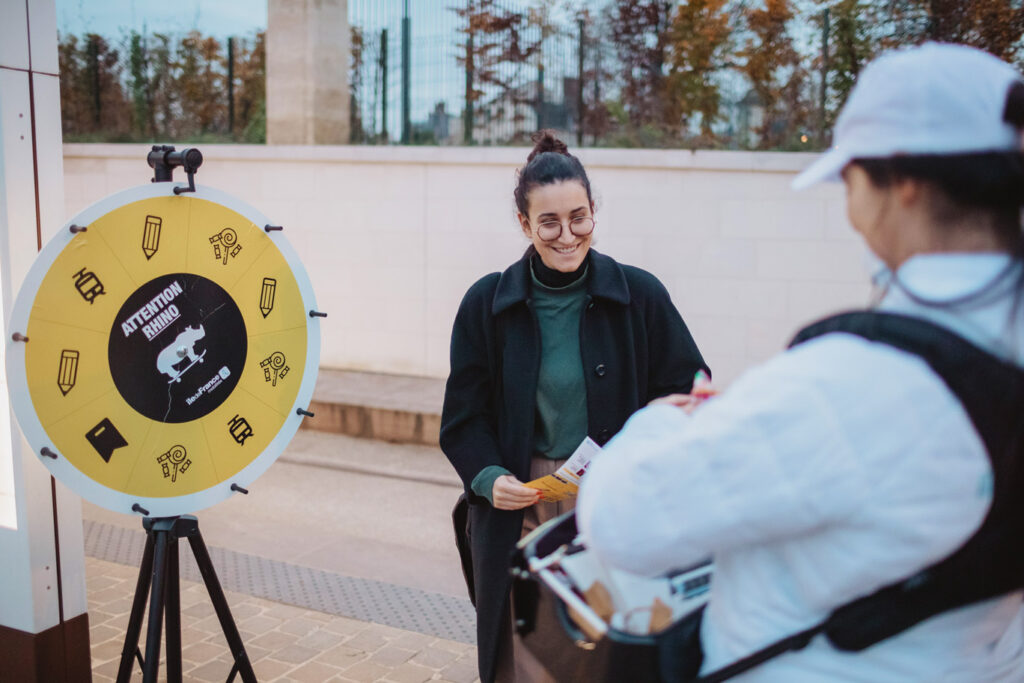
<point>515,663</point>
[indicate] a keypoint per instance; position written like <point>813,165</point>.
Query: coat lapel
<point>606,281</point>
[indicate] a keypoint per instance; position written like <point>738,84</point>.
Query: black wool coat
<point>635,347</point>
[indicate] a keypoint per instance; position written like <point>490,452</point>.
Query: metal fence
<point>729,74</point>
<point>422,75</point>
<point>490,72</point>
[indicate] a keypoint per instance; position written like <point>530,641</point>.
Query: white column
<point>36,515</point>
<point>307,72</point>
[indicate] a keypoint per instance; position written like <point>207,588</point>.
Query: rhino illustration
<point>182,349</point>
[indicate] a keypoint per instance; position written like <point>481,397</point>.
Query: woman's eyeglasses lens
<point>552,230</point>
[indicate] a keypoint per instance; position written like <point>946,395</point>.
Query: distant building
<point>508,118</point>
<point>748,117</point>
<point>439,124</point>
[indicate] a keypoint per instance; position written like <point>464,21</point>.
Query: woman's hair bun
<point>545,141</point>
<point>542,168</point>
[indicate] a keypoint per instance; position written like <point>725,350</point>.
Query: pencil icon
<point>67,373</point>
<point>151,235</point>
<point>267,295</point>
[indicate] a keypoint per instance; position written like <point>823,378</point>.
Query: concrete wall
<point>307,72</point>
<point>393,236</point>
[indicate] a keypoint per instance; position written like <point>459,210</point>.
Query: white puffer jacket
<point>829,471</point>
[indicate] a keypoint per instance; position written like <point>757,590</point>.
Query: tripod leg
<point>131,638</point>
<point>173,593</point>
<point>156,608</point>
<point>220,604</point>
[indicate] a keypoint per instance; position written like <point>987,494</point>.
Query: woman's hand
<point>509,493</point>
<point>685,401</point>
<point>702,391</point>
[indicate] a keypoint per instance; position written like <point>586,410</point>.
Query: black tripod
<point>160,565</point>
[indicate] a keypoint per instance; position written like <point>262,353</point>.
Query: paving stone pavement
<point>285,643</point>
<point>402,607</point>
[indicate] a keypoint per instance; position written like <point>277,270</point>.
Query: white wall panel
<point>13,35</point>
<point>394,236</point>
<point>49,156</point>
<point>28,598</point>
<point>18,203</point>
<point>29,592</point>
<point>43,35</point>
<point>12,84</point>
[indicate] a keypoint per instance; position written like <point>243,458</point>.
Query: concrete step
<point>370,405</point>
<point>412,462</point>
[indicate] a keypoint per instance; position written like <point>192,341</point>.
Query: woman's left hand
<point>686,402</point>
<point>508,493</point>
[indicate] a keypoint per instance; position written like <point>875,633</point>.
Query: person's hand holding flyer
<point>565,481</point>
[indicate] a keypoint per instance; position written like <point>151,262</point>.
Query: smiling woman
<point>565,344</point>
<point>554,190</point>
<point>560,224</point>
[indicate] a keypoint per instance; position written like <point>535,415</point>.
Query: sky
<point>220,18</point>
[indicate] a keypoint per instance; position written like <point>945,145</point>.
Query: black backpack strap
<point>936,344</point>
<point>797,641</point>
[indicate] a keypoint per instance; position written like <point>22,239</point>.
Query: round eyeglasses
<point>551,230</point>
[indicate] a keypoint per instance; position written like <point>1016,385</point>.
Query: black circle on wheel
<point>177,348</point>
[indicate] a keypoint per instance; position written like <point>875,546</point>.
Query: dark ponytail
<point>1013,112</point>
<point>549,162</point>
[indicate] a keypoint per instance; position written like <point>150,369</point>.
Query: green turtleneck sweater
<point>561,419</point>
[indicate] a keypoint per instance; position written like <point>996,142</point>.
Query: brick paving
<point>285,643</point>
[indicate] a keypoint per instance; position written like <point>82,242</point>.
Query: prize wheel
<point>170,351</point>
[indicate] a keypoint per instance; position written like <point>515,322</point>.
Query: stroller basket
<point>570,640</point>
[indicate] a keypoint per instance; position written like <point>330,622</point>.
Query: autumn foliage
<point>156,87</point>
<point>771,74</point>
<point>747,74</point>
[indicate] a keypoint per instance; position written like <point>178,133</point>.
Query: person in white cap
<point>861,493</point>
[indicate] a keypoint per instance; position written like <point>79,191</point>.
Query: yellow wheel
<point>169,348</point>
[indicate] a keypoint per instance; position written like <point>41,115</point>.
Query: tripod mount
<point>158,575</point>
<point>163,159</point>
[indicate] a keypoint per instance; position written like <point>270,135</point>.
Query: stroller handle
<point>578,606</point>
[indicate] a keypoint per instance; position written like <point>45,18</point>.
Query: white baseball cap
<point>933,99</point>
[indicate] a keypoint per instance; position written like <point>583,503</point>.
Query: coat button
<point>602,436</point>
<point>599,370</point>
<point>590,305</point>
